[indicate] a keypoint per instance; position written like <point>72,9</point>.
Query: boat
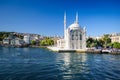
<point>106,51</point>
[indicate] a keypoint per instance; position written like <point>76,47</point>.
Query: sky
<point>45,17</point>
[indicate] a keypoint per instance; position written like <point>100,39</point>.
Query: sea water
<point>42,64</point>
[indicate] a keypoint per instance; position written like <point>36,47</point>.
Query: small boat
<point>106,51</point>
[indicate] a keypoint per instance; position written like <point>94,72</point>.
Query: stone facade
<point>74,36</point>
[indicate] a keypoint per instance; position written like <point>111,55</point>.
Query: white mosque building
<point>74,37</point>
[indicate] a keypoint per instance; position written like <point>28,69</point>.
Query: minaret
<point>76,17</point>
<point>65,25</point>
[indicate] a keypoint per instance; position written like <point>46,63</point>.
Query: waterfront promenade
<point>110,51</point>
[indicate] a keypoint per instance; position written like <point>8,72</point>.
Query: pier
<point>56,49</point>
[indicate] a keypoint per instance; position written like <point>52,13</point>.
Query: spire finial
<point>76,17</point>
<point>64,25</point>
<point>64,18</point>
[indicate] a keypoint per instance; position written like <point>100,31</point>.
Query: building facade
<point>74,36</point>
<point>6,41</point>
<point>17,41</point>
<point>115,37</point>
<point>27,39</point>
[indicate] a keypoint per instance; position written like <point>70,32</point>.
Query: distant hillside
<point>4,34</point>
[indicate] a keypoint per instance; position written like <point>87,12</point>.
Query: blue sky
<point>45,17</point>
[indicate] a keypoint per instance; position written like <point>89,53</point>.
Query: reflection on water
<point>37,64</point>
<point>73,65</point>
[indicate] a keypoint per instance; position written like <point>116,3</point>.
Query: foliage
<point>116,45</point>
<point>18,35</point>
<point>4,34</point>
<point>100,42</point>
<point>33,42</point>
<point>47,42</point>
<point>90,42</point>
<point>93,42</point>
<point>106,40</point>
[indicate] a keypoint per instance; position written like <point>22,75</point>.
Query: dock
<point>56,49</point>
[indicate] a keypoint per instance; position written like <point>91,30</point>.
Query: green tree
<point>101,42</point>
<point>106,40</point>
<point>4,34</point>
<point>90,42</point>
<point>43,43</point>
<point>33,42</point>
<point>47,42</point>
<point>96,43</point>
<point>116,45</point>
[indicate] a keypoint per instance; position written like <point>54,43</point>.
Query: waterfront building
<point>115,37</point>
<point>6,41</point>
<point>74,36</point>
<point>17,41</point>
<point>12,40</point>
<point>27,39</point>
<point>34,37</point>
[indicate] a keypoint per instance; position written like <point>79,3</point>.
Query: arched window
<point>76,35</point>
<point>80,37</point>
<point>72,37</point>
<point>72,34</point>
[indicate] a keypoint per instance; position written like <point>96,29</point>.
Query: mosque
<point>74,36</point>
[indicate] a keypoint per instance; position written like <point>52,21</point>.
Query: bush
<point>47,42</point>
<point>33,42</point>
<point>116,45</point>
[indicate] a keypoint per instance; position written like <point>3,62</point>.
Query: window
<point>80,37</point>
<point>76,33</point>
<point>72,37</point>
<point>72,34</point>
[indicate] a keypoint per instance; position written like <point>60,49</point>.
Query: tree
<point>101,42</point>
<point>116,45</point>
<point>96,43</point>
<point>33,42</point>
<point>47,42</point>
<point>90,42</point>
<point>4,35</point>
<point>106,40</point>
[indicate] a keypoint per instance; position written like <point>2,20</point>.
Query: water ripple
<point>41,64</point>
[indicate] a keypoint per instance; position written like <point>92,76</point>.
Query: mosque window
<point>71,31</point>
<point>76,38</point>
<point>76,33</point>
<point>72,37</point>
<point>80,37</point>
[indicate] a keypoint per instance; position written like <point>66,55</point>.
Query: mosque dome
<point>74,26</point>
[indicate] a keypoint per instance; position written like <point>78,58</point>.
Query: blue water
<point>42,64</point>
